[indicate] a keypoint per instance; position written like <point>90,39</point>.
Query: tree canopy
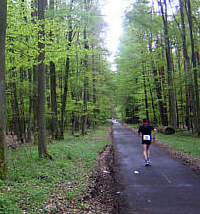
<point>158,64</point>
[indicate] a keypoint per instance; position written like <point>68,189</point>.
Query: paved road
<point>167,187</point>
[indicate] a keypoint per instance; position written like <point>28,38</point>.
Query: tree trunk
<point>29,120</point>
<point>22,124</point>
<point>190,105</point>
<point>3,15</point>
<point>53,102</point>
<point>171,92</point>
<point>66,78</point>
<point>194,64</point>
<point>55,131</point>
<point>85,88</point>
<point>34,13</point>
<point>15,112</point>
<point>158,89</point>
<point>76,96</point>
<point>145,92</point>
<point>182,115</point>
<point>94,90</point>
<point>155,121</point>
<point>35,99</point>
<point>85,81</point>
<point>42,148</point>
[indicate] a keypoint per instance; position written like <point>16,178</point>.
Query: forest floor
<point>100,198</point>
<point>79,180</point>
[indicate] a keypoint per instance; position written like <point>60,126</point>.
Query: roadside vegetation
<point>33,181</point>
<point>183,141</point>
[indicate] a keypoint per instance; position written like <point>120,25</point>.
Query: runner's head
<point>145,121</point>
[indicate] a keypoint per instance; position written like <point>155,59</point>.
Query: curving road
<point>167,187</point>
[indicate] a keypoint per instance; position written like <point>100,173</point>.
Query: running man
<point>146,130</point>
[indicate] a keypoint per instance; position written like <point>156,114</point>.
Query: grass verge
<point>182,141</point>
<point>32,180</point>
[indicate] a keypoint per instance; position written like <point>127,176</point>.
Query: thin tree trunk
<point>85,89</point>
<point>182,121</point>
<point>194,64</point>
<point>161,104</point>
<point>22,119</point>
<point>55,131</point>
<point>190,105</point>
<point>55,125</point>
<point>171,92</point>
<point>64,98</point>
<point>29,120</point>
<point>94,90</point>
<point>66,78</point>
<point>158,89</point>
<point>35,100</point>
<point>145,92</point>
<point>76,96</point>
<point>3,15</point>
<point>155,121</point>
<point>34,13</point>
<point>85,81</point>
<point>15,112</point>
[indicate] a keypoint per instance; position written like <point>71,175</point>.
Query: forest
<point>54,71</point>
<point>55,74</point>
<point>158,64</point>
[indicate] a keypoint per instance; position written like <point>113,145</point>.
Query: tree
<point>54,106</point>
<point>85,80</point>
<point>3,15</point>
<point>169,48</point>
<point>66,77</point>
<point>194,65</point>
<point>42,148</point>
<point>171,92</point>
<point>187,67</point>
<point>57,45</point>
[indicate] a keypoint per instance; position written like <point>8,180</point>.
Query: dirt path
<point>167,187</point>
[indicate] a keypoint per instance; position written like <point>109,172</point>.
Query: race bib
<point>146,137</point>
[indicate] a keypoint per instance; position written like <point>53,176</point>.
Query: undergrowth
<point>32,180</point>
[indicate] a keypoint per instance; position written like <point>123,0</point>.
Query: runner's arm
<point>139,130</point>
<point>154,135</point>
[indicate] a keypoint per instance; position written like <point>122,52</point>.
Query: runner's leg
<point>148,151</point>
<point>144,146</point>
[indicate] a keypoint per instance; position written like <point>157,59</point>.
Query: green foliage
<point>142,63</point>
<point>22,60</point>
<point>7,206</point>
<point>183,141</point>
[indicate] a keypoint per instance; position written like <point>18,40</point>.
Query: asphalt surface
<point>166,187</point>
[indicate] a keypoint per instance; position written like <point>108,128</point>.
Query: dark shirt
<point>145,129</point>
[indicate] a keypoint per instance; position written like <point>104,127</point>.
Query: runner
<point>146,130</point>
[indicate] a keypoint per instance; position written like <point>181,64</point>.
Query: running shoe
<point>147,163</point>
